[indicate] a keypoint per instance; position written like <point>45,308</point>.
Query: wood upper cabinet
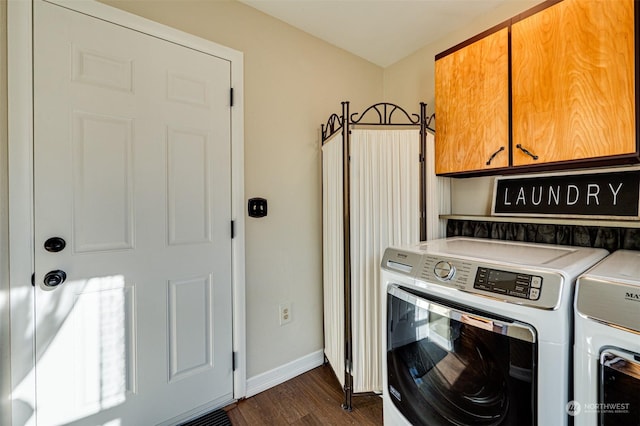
<point>573,82</point>
<point>556,86</point>
<point>472,106</point>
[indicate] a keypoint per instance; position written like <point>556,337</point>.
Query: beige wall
<point>5,383</point>
<point>411,80</point>
<point>293,82</point>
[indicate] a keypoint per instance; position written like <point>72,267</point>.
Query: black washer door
<point>448,366</point>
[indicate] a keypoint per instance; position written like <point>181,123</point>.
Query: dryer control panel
<point>508,283</point>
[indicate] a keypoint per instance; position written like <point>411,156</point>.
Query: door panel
<point>102,152</point>
<point>132,170</point>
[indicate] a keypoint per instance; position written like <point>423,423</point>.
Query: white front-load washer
<point>607,343</point>
<point>478,331</point>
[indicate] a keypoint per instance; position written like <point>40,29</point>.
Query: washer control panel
<point>520,285</point>
<point>514,284</point>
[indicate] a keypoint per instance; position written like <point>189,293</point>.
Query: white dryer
<point>607,343</point>
<point>478,331</point>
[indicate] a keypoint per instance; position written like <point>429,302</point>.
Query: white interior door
<point>132,170</point>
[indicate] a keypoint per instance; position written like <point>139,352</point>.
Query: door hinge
<point>421,158</point>
<point>231,96</point>
<point>233,229</point>
<point>33,280</point>
<point>234,360</point>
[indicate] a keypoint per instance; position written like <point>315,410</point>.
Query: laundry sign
<point>605,194</point>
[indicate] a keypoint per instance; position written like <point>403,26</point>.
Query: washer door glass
<point>448,365</point>
<point>619,393</point>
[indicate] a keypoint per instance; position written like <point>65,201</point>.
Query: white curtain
<point>385,211</point>
<point>438,194</point>
<point>332,254</point>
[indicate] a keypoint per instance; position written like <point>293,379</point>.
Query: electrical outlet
<point>285,313</point>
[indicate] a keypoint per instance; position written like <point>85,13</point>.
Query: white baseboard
<point>271,378</point>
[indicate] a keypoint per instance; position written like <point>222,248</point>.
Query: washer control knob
<point>444,270</point>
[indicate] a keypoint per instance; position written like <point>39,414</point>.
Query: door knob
<point>54,278</point>
<point>55,244</point>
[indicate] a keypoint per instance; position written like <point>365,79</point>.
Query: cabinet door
<point>472,106</point>
<point>574,82</point>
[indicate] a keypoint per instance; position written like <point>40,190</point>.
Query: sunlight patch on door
<point>93,349</point>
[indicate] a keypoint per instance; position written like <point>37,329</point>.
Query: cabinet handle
<point>526,151</point>
<point>494,155</point>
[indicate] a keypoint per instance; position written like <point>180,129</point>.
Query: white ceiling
<point>381,31</point>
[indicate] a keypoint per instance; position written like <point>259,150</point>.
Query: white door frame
<point>21,209</point>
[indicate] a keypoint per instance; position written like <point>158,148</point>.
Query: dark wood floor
<point>313,398</point>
